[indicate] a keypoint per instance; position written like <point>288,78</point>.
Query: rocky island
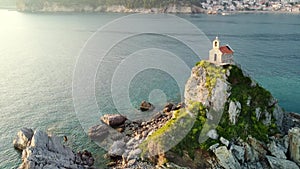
<point>42,151</point>
<point>252,130</point>
<point>227,121</point>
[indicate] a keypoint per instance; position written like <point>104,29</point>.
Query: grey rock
<point>48,152</point>
<point>213,134</point>
<point>294,144</point>
<point>117,148</point>
<point>276,150</point>
<point>146,106</point>
<point>258,146</point>
<point>290,120</point>
<point>268,118</point>
<point>23,138</point>
<point>226,159</point>
<point>134,154</point>
<point>224,141</point>
<point>168,107</point>
<point>278,114</point>
<point>113,120</point>
<point>257,113</point>
<point>234,111</point>
<point>238,152</point>
<point>250,154</point>
<point>277,163</point>
<point>214,147</point>
<point>39,140</point>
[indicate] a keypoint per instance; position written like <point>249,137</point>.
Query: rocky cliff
<point>243,122</point>
<point>232,122</point>
<point>228,121</point>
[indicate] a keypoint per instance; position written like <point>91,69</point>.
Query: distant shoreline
<point>223,13</point>
<point>147,11</point>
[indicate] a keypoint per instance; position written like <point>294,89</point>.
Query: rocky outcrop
<point>44,151</point>
<point>290,120</point>
<point>294,144</point>
<point>23,138</point>
<point>242,104</point>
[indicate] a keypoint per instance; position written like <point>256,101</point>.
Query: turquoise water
<point>38,53</point>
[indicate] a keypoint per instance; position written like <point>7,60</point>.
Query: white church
<point>220,55</point>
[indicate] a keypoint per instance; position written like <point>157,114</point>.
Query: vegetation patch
<point>212,74</point>
<point>244,92</point>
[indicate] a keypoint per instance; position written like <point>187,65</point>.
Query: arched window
<point>215,59</point>
<point>216,43</point>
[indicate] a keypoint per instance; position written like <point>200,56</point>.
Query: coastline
<point>170,9</point>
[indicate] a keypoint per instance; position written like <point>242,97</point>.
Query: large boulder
<point>146,106</point>
<point>294,144</point>
<point>168,107</point>
<point>226,158</point>
<point>23,138</point>
<point>117,148</point>
<point>114,120</point>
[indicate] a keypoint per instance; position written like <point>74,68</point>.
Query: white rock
<point>224,141</point>
<point>213,134</point>
<point>213,147</point>
<point>234,111</point>
<point>249,101</point>
<point>257,113</point>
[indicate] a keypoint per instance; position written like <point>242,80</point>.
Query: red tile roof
<point>226,50</point>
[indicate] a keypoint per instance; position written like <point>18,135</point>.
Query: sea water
<point>38,54</point>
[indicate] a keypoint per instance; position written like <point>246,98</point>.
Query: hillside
<point>164,6</point>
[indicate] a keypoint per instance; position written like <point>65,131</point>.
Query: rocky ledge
<point>41,151</point>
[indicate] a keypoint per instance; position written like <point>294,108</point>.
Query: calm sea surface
<point>38,54</point>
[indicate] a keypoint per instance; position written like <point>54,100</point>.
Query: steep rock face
<point>207,85</point>
<point>43,151</point>
<point>250,116</point>
<point>228,91</point>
